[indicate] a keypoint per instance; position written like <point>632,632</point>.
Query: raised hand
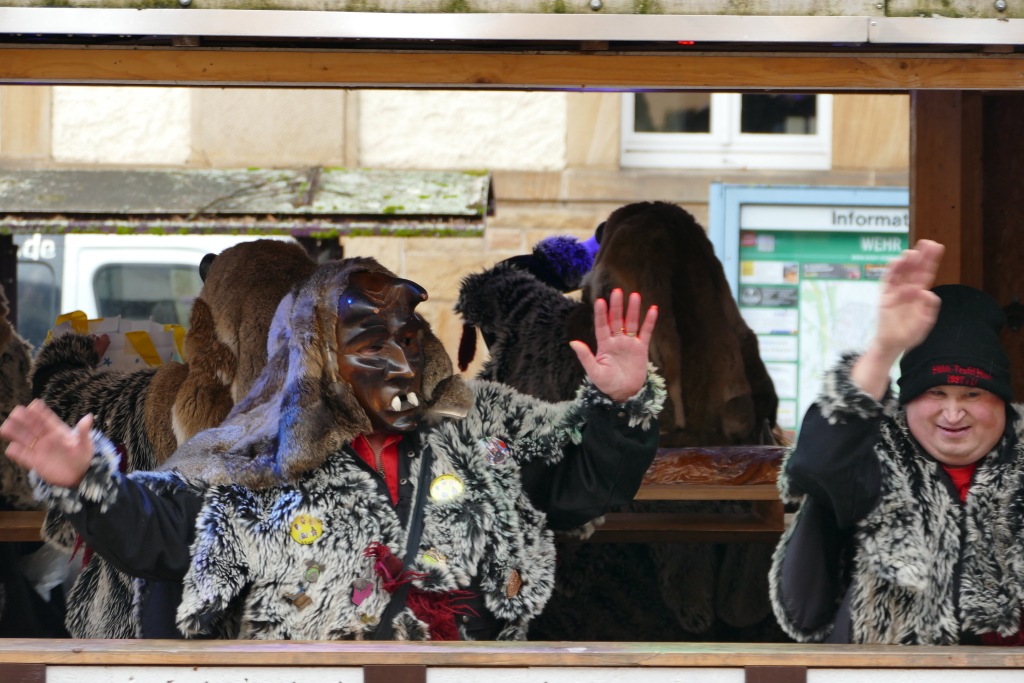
<point>906,314</point>
<point>907,309</point>
<point>619,368</point>
<point>39,441</point>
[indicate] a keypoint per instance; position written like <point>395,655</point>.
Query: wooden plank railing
<point>495,654</point>
<point>763,524</point>
<point>20,526</point>
<point>743,473</point>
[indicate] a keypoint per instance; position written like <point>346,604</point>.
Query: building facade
<point>560,162</point>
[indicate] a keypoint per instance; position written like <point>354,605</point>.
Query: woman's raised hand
<point>619,368</point>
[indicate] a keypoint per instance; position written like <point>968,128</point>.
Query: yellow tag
<point>79,321</point>
<point>179,339</point>
<point>446,487</point>
<point>144,347</point>
<point>306,529</point>
<point>747,268</point>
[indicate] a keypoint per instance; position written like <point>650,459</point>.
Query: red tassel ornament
<point>436,610</point>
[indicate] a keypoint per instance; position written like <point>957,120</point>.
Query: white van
<point>141,277</point>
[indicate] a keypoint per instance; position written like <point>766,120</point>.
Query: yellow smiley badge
<point>306,529</point>
<point>446,487</point>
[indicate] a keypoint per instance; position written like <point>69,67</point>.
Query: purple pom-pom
<point>567,257</point>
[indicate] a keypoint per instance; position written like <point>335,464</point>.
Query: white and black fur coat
<point>920,567</point>
<point>282,453</point>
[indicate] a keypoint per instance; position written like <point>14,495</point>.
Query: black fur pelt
<point>904,553</point>
<point>524,323</point>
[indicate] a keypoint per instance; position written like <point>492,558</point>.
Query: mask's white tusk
<point>396,404</point>
<point>413,401</point>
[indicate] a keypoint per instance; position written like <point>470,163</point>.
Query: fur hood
<point>300,411</point>
<point>225,347</point>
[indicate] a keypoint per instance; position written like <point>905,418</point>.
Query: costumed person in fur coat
<point>361,489</point>
<point>719,394</point>
<point>24,613</point>
<point>910,528</point>
<point>148,413</point>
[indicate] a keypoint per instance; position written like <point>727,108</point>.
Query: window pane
<point>672,112</point>
<point>779,114</point>
<point>38,299</point>
<point>163,293</point>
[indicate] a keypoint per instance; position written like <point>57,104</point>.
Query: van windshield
<point>160,292</point>
<point>38,300</point>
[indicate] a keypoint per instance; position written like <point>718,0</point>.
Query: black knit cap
<point>962,349</point>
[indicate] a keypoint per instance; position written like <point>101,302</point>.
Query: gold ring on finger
<point>630,334</point>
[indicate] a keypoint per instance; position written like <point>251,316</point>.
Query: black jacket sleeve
<point>142,533</point>
<point>834,462</point>
<point>604,470</point>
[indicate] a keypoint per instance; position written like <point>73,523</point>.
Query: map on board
<point>810,295</point>
<point>835,316</point>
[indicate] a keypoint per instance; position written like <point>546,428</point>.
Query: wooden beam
<point>737,71</point>
<point>1003,208</point>
<point>672,527</point>
<point>382,673</point>
<point>707,492</point>
<point>946,180</point>
<point>21,526</point>
<point>498,654</point>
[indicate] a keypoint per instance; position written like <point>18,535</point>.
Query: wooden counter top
<point>288,653</point>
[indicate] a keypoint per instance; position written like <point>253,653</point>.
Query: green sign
<point>809,296</point>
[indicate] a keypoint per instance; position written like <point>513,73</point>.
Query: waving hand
<point>619,368</point>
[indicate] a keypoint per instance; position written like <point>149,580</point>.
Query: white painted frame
<point>725,147</point>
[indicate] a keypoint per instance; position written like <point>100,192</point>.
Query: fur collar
<point>300,411</point>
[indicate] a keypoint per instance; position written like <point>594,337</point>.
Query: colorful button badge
<point>495,450</point>
<point>306,529</point>
<point>446,487</point>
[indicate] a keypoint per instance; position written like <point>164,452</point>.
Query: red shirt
<point>961,477</point>
<point>389,458</point>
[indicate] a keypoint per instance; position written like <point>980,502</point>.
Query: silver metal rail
<point>73,21</point>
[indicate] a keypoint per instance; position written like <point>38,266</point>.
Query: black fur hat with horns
<point>300,410</point>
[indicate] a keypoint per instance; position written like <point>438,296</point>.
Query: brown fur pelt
<point>299,410</point>
<point>226,345</point>
<point>719,390</point>
<point>15,363</point>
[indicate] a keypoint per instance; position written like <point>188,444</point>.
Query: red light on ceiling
<point>685,42</point>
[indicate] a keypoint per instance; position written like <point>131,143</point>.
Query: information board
<point>806,277</point>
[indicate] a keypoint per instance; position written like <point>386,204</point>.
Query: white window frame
<point>725,147</point>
